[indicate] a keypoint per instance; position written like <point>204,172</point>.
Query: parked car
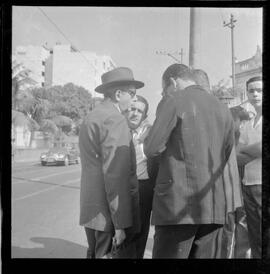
<point>60,155</point>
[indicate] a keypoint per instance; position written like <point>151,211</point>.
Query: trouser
<point>146,197</point>
<point>252,195</point>
<point>100,245</point>
<point>188,241</point>
<point>235,243</point>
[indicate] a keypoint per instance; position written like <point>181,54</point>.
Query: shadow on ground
<point>52,248</point>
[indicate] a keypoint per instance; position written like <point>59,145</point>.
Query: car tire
<point>43,163</point>
<point>66,162</point>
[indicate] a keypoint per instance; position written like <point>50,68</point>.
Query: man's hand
<point>243,159</point>
<point>254,150</point>
<point>119,236</point>
<point>144,135</point>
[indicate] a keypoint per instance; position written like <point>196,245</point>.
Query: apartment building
<point>63,64</point>
<point>83,68</point>
<point>33,58</point>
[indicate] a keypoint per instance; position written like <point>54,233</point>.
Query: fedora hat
<point>118,76</point>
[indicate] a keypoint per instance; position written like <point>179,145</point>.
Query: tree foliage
<point>20,81</point>
<point>50,109</point>
<point>221,89</point>
<point>65,106</point>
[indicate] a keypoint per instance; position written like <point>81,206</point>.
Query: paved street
<point>45,212</point>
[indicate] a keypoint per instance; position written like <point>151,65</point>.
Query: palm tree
<point>22,98</point>
<point>20,79</point>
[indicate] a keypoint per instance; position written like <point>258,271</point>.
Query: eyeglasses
<point>259,90</point>
<point>132,93</point>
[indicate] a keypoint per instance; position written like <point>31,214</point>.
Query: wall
<point>33,58</point>
<point>81,68</point>
<point>28,154</point>
<point>22,136</point>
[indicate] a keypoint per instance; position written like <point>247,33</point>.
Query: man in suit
<point>139,125</point>
<point>193,134</point>
<point>250,155</point>
<point>109,204</point>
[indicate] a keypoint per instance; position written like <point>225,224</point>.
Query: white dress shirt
<point>250,134</point>
<point>141,159</point>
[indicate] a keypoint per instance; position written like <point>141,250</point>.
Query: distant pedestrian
<point>109,205</point>
<point>250,155</point>
<point>193,134</point>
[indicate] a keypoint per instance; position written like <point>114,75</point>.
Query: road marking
<point>45,190</point>
<point>35,181</point>
<point>54,174</point>
<point>39,169</point>
<point>23,181</point>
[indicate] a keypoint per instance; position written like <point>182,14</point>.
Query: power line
<point>170,55</point>
<point>60,31</point>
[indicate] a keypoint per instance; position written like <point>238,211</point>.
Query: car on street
<point>60,156</point>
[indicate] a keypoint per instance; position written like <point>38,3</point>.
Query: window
<point>244,66</point>
<point>43,63</point>
<point>43,73</point>
<point>42,84</point>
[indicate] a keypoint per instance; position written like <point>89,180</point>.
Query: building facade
<point>33,58</point>
<point>63,64</point>
<point>246,69</point>
<point>67,65</point>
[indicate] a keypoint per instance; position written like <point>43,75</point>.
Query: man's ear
<point>173,82</point>
<point>117,95</point>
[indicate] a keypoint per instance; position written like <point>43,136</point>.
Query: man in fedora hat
<point>109,205</point>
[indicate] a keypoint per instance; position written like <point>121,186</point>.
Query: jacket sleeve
<point>116,165</point>
<point>166,120</point>
<point>229,138</point>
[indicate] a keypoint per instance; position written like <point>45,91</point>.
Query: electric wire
<point>72,44</point>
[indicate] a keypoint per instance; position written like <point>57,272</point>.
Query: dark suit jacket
<point>193,133</point>
<point>109,187</point>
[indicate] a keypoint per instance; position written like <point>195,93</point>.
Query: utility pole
<point>194,37</point>
<point>171,55</point>
<point>182,53</point>
<point>231,26</point>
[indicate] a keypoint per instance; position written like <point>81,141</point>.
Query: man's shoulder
<point>103,112</point>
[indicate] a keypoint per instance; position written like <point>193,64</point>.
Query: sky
<point>133,35</point>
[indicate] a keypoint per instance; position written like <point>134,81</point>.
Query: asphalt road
<point>45,212</point>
